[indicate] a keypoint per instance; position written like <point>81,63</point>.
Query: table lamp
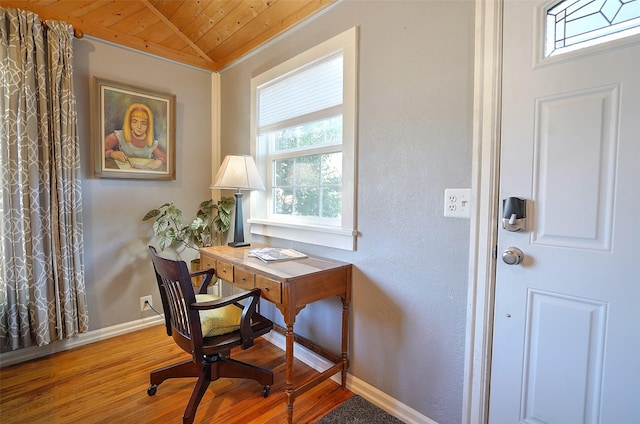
<point>239,173</point>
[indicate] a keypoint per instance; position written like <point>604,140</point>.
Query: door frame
<point>485,177</point>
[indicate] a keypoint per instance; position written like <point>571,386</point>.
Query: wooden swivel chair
<point>206,328</point>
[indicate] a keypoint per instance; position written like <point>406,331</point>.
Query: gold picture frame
<point>134,131</point>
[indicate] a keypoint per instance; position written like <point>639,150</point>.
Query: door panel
<point>582,125</point>
<point>565,336</point>
<point>563,353</point>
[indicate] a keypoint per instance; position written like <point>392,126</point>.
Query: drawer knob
<point>266,289</point>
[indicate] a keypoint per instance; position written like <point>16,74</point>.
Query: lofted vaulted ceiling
<point>208,34</point>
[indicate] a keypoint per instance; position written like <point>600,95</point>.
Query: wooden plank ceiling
<point>208,34</point>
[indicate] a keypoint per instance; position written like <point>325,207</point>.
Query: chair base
<point>212,369</point>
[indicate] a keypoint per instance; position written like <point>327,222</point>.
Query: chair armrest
<point>210,273</point>
<point>219,303</point>
<point>248,311</point>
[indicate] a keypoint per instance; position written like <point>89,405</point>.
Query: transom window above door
<point>575,24</point>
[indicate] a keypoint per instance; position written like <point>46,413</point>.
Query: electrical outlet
<point>457,202</point>
<point>146,302</point>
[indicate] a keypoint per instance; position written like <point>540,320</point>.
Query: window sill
<point>318,235</point>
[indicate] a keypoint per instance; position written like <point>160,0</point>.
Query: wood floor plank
<point>106,382</point>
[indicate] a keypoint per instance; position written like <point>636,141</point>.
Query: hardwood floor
<point>106,382</point>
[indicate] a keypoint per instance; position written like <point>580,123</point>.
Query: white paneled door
<point>566,341</point>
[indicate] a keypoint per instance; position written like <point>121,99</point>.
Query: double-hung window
<point>304,140</point>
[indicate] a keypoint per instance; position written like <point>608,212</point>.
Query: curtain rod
<point>76,32</point>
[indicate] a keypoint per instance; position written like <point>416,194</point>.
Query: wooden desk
<point>290,285</point>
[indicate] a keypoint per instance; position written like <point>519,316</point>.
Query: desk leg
<point>345,337</point>
<point>289,372</point>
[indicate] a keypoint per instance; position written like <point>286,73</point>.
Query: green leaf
<point>165,240</point>
<point>198,224</point>
<point>151,214</point>
<point>226,204</point>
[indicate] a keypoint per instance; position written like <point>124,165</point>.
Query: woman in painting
<point>135,140</point>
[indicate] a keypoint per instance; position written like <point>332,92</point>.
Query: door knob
<point>512,256</point>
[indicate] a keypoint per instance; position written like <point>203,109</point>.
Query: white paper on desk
<point>274,254</point>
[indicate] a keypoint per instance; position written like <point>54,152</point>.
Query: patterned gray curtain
<point>42,290</point>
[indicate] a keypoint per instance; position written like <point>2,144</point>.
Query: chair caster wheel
<point>152,389</point>
<point>265,391</point>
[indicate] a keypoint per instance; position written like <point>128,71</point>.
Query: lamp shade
<point>238,172</point>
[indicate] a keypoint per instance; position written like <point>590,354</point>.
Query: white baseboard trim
<point>357,386</point>
<point>29,353</point>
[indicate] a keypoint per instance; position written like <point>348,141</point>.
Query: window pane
<point>306,201</point>
<point>307,171</point>
<point>310,134</point>
<point>331,169</point>
<point>331,202</point>
<point>284,173</point>
<point>283,201</point>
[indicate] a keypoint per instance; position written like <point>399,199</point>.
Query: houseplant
<point>211,218</point>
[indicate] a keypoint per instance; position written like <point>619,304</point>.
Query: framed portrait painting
<point>134,134</point>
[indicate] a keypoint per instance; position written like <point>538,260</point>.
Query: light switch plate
<point>457,202</point>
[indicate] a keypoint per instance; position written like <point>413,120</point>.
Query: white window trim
<point>345,236</point>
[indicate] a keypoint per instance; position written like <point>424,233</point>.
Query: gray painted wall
<point>117,266</point>
<point>415,140</point>
<point>415,119</point>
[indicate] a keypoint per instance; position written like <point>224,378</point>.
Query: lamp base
<point>238,244</point>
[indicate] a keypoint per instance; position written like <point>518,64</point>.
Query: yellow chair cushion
<point>219,321</point>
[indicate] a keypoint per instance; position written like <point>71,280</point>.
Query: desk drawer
<point>271,290</point>
<point>207,262</point>
<point>243,278</point>
<point>224,271</point>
